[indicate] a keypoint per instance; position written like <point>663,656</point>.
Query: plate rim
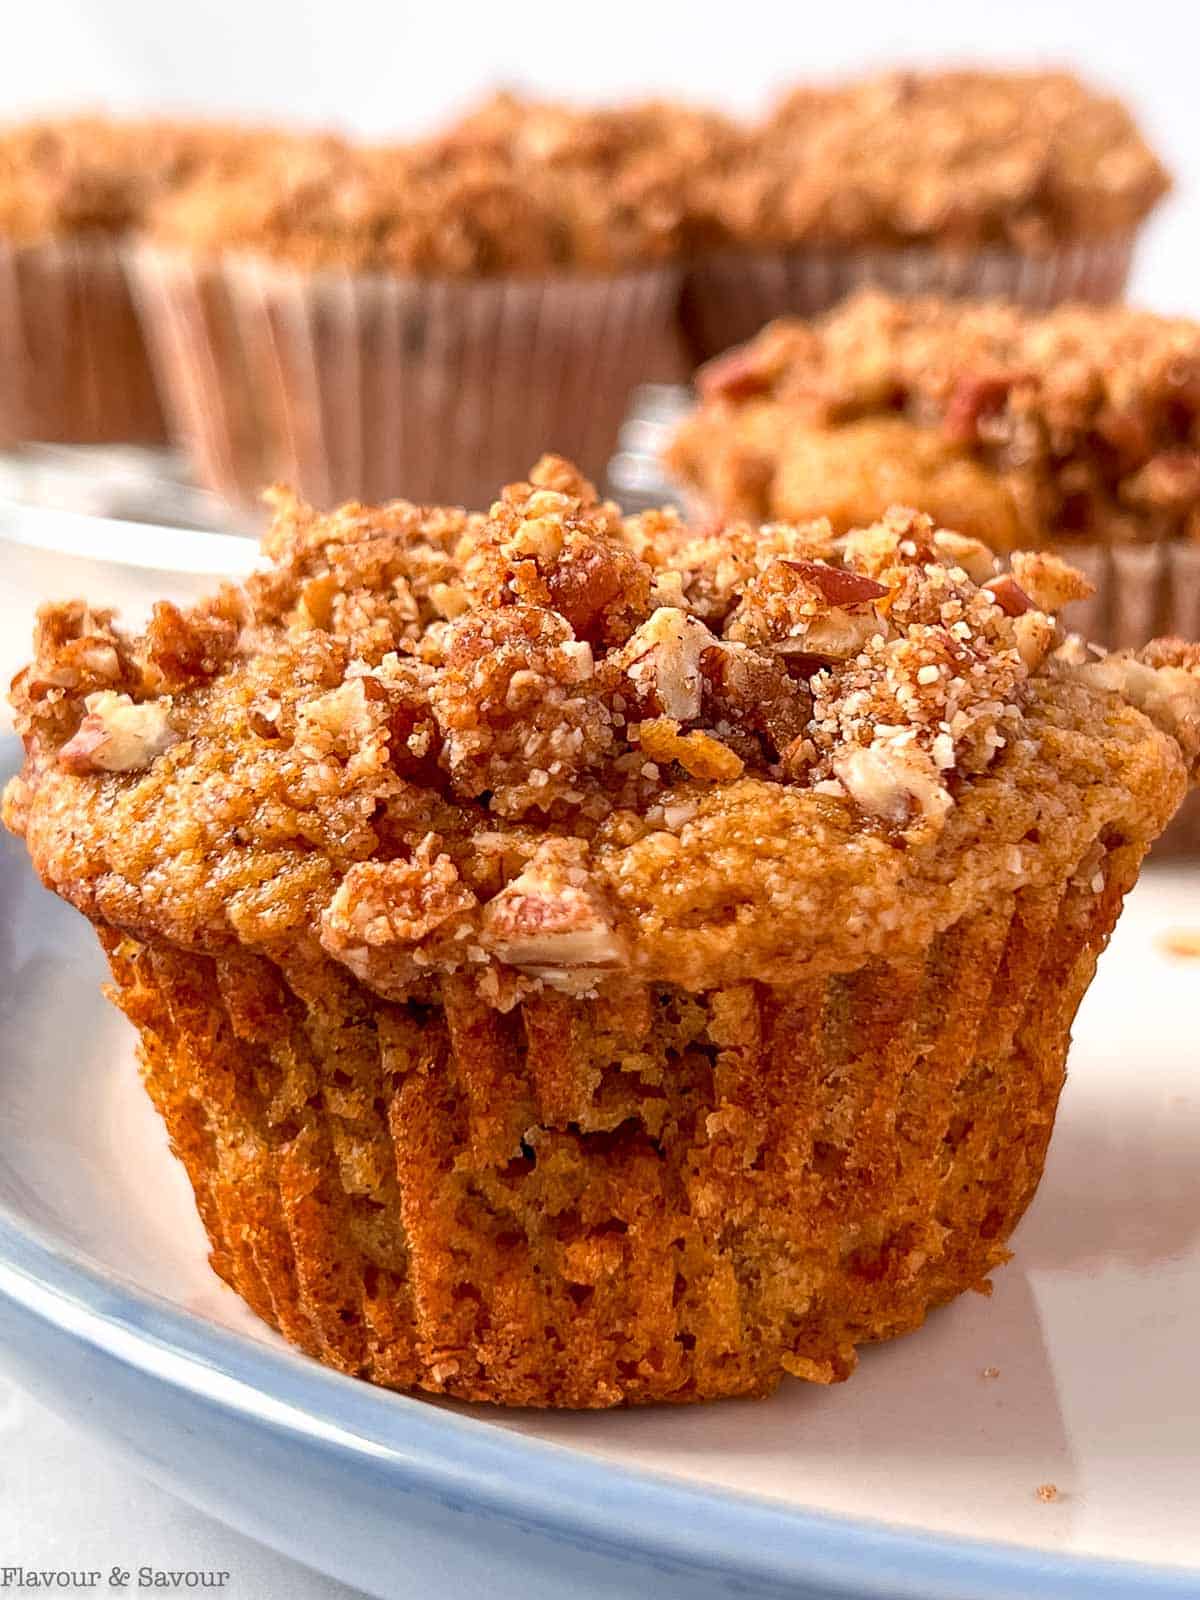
<point>468,1463</point>
<point>149,547</point>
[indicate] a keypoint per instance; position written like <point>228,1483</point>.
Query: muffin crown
<point>515,186</point>
<point>961,159</point>
<point>1090,416</point>
<point>962,362</point>
<point>551,746</point>
<point>94,174</point>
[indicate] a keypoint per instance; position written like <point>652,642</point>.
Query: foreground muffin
<point>1025,184</point>
<point>579,963</point>
<point>1076,430</point>
<point>422,318</point>
<point>73,361</point>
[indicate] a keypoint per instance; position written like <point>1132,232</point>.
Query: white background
<point>381,68</point>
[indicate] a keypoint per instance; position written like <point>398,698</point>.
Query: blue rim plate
<point>543,1492</point>
<point>403,1496</point>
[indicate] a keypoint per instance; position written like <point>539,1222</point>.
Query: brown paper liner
<point>650,1195</point>
<point>727,298</point>
<point>1142,592</point>
<point>73,361</point>
<point>368,387</point>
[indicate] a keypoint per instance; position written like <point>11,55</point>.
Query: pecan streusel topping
<point>101,175</point>
<point>960,159</point>
<point>548,745</point>
<point>1083,422</point>
<point>516,186</point>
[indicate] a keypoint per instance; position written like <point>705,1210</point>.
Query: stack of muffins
<point>583,959</point>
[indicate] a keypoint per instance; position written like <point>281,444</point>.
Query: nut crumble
<point>960,158</point>
<point>1082,423</point>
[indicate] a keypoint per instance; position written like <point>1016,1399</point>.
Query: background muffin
<point>1076,430</point>
<point>583,963</point>
<point>73,363</point>
<point>420,319</point>
<point>1023,184</point>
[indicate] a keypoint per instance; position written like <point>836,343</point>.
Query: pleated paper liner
<point>73,362</point>
<point>728,297</point>
<point>653,1195</point>
<point>1142,592</point>
<point>370,387</point>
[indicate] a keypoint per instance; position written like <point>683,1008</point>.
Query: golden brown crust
<point>582,962</point>
<point>1081,423</point>
<point>93,174</point>
<point>518,186</point>
<point>959,159</point>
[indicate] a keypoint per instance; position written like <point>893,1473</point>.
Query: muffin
<point>583,963</point>
<point>1075,430</point>
<point>73,362</point>
<point>419,319</point>
<point>1024,184</point>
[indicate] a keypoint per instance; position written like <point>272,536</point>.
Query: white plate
<point>1093,1329</point>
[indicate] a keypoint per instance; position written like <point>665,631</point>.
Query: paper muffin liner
<point>728,297</point>
<point>355,386</point>
<point>649,1195</point>
<point>73,362</point>
<point>1142,592</point>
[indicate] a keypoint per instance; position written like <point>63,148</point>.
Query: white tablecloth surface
<point>66,1503</point>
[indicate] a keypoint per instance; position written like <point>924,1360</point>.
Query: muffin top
<point>553,747</point>
<point>62,176</point>
<point>1086,418</point>
<point>957,159</point>
<point>517,186</point>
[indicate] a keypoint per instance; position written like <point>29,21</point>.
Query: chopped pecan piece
<point>660,665</point>
<point>1169,482</point>
<point>736,375</point>
<point>972,555</point>
<point>897,785</point>
<point>553,923</point>
<point>976,397</point>
<point>803,607</point>
<point>838,585</point>
<point>1008,595</point>
<point>749,689</point>
<point>393,923</point>
<point>118,735</point>
<point>1048,581</point>
<point>1036,635</point>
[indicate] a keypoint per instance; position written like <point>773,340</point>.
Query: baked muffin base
<point>653,1196</point>
<point>728,297</point>
<point>75,368</point>
<point>356,386</point>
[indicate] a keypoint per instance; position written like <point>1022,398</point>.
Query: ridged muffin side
<point>655,1196</point>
